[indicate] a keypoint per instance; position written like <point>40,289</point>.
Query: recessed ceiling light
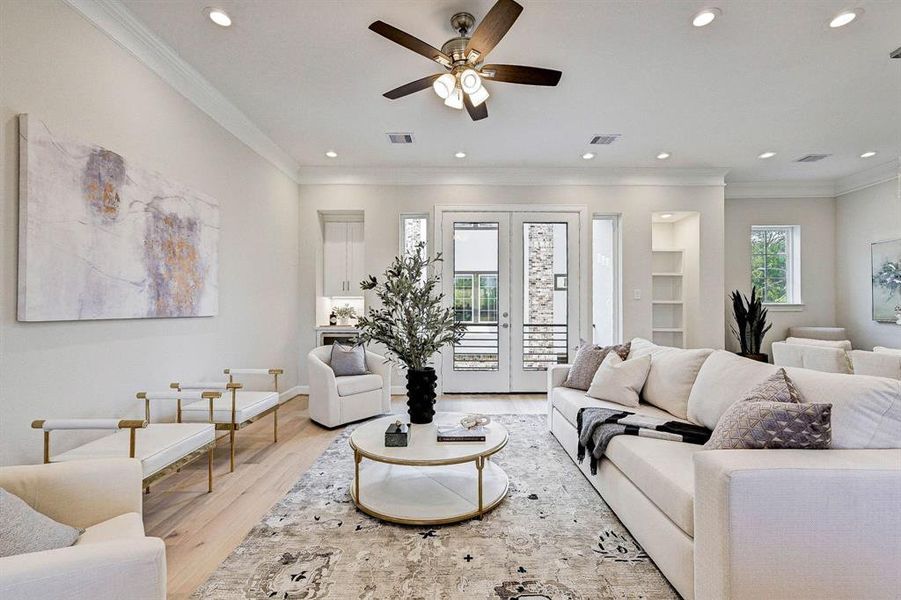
<point>460,155</point>
<point>868,154</point>
<point>766,155</point>
<point>219,17</point>
<point>331,154</point>
<point>588,155</point>
<point>705,17</point>
<point>845,17</point>
<point>666,216</point>
<point>663,156</point>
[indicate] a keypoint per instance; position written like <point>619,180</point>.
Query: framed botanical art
<point>886,261</point>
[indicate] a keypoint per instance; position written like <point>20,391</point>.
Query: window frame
<point>792,235</point>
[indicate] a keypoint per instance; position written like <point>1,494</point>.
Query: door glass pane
<point>604,303</point>
<point>476,295</point>
<point>545,295</point>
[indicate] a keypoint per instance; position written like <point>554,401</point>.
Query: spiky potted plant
<point>411,324</point>
<point>750,324</point>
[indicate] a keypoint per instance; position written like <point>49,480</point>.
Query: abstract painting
<point>101,238</point>
<point>886,261</point>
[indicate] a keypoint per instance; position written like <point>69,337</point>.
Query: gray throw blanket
<point>597,426</point>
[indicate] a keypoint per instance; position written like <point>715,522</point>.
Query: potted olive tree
<point>412,324</point>
<point>750,324</point>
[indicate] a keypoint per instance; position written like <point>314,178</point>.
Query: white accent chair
<point>806,356</point>
<point>338,400</point>
<point>112,559</point>
<point>236,410</point>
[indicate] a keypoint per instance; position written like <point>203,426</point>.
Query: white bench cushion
<point>357,384</point>
<point>123,527</point>
<point>568,401</point>
<point>157,446</point>
<point>247,406</point>
<point>663,470</point>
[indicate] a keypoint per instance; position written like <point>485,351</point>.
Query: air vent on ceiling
<point>604,139</point>
<point>813,157</point>
<point>400,138</point>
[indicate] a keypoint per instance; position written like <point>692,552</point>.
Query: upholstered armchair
<point>338,400</point>
<point>112,559</point>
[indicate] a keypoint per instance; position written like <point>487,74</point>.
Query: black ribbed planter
<point>421,385</point>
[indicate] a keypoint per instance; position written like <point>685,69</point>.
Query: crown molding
<point>510,176</point>
<point>780,189</point>
<point>872,176</point>
<point>115,20</point>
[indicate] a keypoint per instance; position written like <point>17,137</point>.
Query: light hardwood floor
<point>201,530</point>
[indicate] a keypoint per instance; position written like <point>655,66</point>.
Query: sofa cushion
<point>568,402</point>
<point>818,358</point>
<point>357,384</point>
<point>620,381</point>
<point>128,525</point>
<point>157,446</point>
<point>248,404</point>
<point>672,375</point>
<point>24,530</point>
<point>877,364</point>
<point>884,350</point>
<point>866,411</point>
<point>589,358</point>
<point>663,470</point>
<point>799,341</point>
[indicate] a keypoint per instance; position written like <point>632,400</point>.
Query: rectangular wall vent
<point>813,157</point>
<point>400,138</point>
<point>604,139</point>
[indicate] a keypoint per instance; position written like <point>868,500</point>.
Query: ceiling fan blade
<point>411,43</point>
<point>476,112</point>
<point>520,74</point>
<point>493,27</point>
<point>412,87</point>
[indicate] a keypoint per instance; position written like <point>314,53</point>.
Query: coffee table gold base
<point>484,499</point>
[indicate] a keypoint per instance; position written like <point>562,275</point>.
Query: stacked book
<point>458,433</point>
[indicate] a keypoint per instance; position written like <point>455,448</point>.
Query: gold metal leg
<point>209,467</point>
<point>275,425</point>
<point>231,449</point>
<point>480,464</point>
<point>357,458</point>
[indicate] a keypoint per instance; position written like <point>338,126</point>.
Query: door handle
<point>505,315</point>
<point>504,325</point>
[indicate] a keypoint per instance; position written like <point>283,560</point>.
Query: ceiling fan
<point>464,56</point>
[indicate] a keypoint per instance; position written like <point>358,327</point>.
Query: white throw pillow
<point>672,374</point>
<point>842,344</point>
<point>884,350</point>
<point>620,381</point>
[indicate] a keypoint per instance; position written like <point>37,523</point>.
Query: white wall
<point>869,215</point>
<point>816,217</point>
<point>60,69</point>
<point>383,205</point>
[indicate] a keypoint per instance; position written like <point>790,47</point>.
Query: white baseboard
<point>293,391</point>
<point>396,390</point>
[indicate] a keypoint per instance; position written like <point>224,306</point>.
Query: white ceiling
<point>767,75</point>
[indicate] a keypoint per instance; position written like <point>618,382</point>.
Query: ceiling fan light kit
<point>464,56</point>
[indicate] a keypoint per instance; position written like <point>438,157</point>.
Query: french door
<point>507,275</point>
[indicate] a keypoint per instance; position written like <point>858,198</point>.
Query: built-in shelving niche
<point>674,276</point>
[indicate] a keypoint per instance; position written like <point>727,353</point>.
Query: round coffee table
<point>426,482</point>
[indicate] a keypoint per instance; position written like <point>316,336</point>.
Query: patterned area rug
<point>553,537</point>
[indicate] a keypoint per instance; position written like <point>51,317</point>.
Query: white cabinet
<point>343,253</point>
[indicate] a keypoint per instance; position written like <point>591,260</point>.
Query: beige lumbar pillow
<point>620,381</point>
<point>773,416</point>
<point>23,529</point>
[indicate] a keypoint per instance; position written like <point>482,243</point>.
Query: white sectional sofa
<point>751,524</point>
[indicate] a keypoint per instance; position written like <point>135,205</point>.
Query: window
<point>413,230</point>
<point>605,296</point>
<point>775,263</point>
<point>487,297</point>
<point>463,298</point>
